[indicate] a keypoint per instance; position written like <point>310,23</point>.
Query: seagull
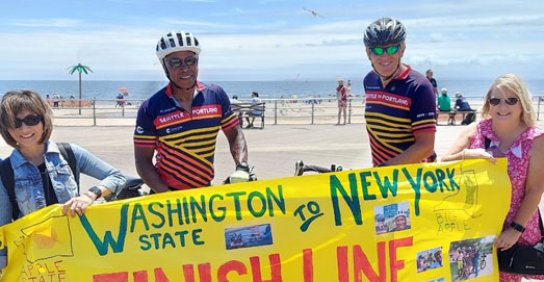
<point>314,13</point>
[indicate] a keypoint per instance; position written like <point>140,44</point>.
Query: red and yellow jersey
<point>184,142</point>
<point>406,106</point>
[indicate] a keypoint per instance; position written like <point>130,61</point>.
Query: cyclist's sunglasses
<point>29,120</point>
<point>390,50</point>
<point>185,62</point>
<point>509,101</point>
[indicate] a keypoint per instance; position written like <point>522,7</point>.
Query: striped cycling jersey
<point>393,114</point>
<point>185,142</point>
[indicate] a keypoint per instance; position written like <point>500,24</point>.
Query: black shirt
<point>49,193</point>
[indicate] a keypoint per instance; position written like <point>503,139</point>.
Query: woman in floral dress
<point>508,129</point>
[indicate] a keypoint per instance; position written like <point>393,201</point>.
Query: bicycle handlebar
<point>301,168</point>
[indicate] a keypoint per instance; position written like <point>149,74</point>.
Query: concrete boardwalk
<point>273,151</point>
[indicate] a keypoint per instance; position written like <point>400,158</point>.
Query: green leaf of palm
<point>80,69</point>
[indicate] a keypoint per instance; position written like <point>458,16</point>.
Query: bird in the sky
<point>314,13</point>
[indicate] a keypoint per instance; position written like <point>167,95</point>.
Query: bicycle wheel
<point>482,263</point>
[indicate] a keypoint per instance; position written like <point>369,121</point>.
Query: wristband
<point>517,227</point>
<point>96,191</point>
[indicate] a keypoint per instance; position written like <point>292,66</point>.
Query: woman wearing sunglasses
<point>508,129</point>
<point>41,176</point>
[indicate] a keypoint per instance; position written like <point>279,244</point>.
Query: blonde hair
<point>16,101</point>
<point>515,85</point>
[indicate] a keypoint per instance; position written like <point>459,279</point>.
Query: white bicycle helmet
<point>177,41</point>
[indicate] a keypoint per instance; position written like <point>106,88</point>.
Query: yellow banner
<point>423,222</point>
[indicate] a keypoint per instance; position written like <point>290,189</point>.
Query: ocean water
<point>140,90</point>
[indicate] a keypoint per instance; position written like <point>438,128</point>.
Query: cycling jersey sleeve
<point>423,109</point>
<point>145,133</point>
<point>228,119</point>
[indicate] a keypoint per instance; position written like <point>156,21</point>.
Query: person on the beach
<point>234,99</point>
<point>41,176</point>
<point>429,75</point>
<point>461,103</point>
<point>181,121</point>
<point>444,105</point>
<point>56,100</point>
<point>400,106</point>
<point>348,88</point>
<point>509,129</point>
<point>255,112</point>
<point>342,98</point>
<point>120,100</point>
<point>48,100</point>
<point>444,101</point>
<point>121,97</point>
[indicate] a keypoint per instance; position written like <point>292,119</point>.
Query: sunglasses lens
<point>511,101</point>
<point>494,101</point>
<point>377,51</point>
<point>189,61</point>
<point>178,63</point>
<point>392,50</point>
<point>28,120</point>
<point>32,120</point>
<point>175,63</point>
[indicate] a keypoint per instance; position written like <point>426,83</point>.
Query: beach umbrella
<point>80,69</point>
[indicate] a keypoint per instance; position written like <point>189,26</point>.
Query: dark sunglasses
<point>178,63</point>
<point>390,50</point>
<point>29,120</point>
<point>509,101</point>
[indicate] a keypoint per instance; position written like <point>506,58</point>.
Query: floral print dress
<point>518,167</point>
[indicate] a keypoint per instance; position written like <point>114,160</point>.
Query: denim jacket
<point>28,181</point>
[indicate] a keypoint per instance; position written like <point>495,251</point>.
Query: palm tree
<point>80,69</point>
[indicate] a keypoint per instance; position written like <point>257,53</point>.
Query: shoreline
<point>277,112</point>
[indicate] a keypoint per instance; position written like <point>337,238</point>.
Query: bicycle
<point>301,168</point>
<point>482,262</point>
<point>133,188</point>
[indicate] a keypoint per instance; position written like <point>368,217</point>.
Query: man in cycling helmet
<point>181,122</point>
<point>400,109</point>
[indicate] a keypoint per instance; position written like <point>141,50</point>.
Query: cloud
<point>198,24</point>
<point>271,39</point>
<point>45,23</point>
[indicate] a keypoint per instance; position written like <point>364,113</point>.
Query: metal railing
<point>277,111</point>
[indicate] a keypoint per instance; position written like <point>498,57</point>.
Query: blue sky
<point>268,39</point>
